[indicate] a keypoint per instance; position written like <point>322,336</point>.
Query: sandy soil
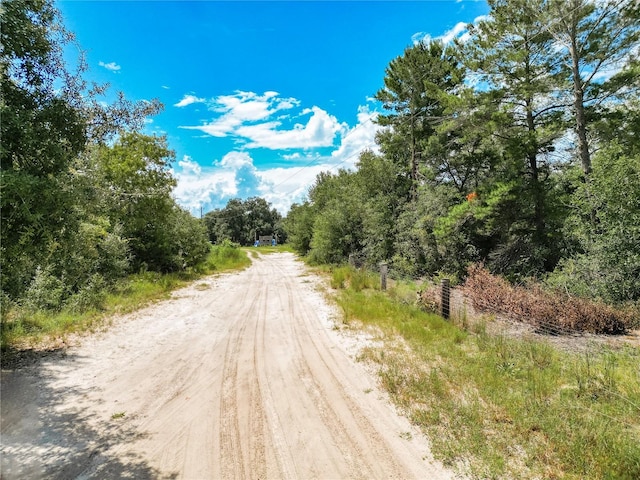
<point>237,376</point>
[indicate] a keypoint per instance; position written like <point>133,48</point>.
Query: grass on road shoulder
<point>22,328</point>
<point>254,252</point>
<point>500,407</point>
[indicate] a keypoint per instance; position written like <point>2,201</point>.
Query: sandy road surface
<point>237,376</point>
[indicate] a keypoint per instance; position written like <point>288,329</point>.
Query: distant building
<point>265,240</point>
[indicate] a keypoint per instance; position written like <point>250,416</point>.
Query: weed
<point>25,327</point>
<point>265,250</point>
<point>339,277</point>
<point>500,407</point>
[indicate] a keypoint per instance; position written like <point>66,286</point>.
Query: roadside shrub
<point>114,255</point>
<point>89,296</point>
<point>357,279</point>
<point>362,279</point>
<point>190,240</point>
<point>6,304</point>
<point>553,312</point>
<point>45,292</point>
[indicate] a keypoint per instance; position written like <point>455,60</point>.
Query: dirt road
<point>237,376</point>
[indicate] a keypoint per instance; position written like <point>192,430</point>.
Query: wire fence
<point>453,302</point>
<point>592,359</point>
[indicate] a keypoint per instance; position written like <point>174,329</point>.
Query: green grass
<point>344,276</point>
<point>285,247</point>
<point>225,257</point>
<point>498,407</point>
<point>23,329</point>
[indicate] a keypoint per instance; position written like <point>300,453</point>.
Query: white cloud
<point>459,28</point>
<point>212,187</point>
<point>319,131</point>
<point>240,109</point>
<point>460,31</point>
<point>235,160</point>
<point>188,165</point>
<point>236,175</point>
<point>250,118</point>
<point>188,100</point>
<point>421,37</point>
<point>359,138</point>
<point>111,66</point>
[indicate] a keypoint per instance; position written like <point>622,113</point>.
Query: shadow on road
<point>48,431</point>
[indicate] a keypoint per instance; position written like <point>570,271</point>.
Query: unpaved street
<point>237,376</point>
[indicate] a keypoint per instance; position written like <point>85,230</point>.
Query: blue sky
<point>259,96</point>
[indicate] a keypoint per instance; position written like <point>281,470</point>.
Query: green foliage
<point>414,87</point>
<point>66,231</point>
<point>337,227</point>
<point>356,279</point>
<point>41,133</point>
<point>475,171</point>
<point>190,246</point>
<point>243,221</point>
<point>46,291</point>
<point>299,227</point>
<point>499,407</point>
<point>596,39</point>
<point>607,228</point>
<point>89,296</point>
<point>226,256</point>
<point>339,277</point>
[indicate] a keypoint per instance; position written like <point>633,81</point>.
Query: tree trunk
<point>578,105</point>
<point>414,162</point>
<point>532,158</point>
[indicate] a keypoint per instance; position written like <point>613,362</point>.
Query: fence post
<point>445,298</point>
<point>383,276</point>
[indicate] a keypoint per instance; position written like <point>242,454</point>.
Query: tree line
<point>86,197</point>
<point>244,221</point>
<point>516,146</point>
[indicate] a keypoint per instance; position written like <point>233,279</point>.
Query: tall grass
<point>355,279</point>
<point>498,407</point>
<point>24,328</point>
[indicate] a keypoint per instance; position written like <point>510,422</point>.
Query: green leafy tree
<point>338,223</point>
<point>381,193</point>
<point>298,226</point>
<point>243,221</point>
<point>134,184</point>
<point>50,225</point>
<point>260,219</point>
<point>41,133</point>
<point>189,243</point>
<point>608,263</point>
